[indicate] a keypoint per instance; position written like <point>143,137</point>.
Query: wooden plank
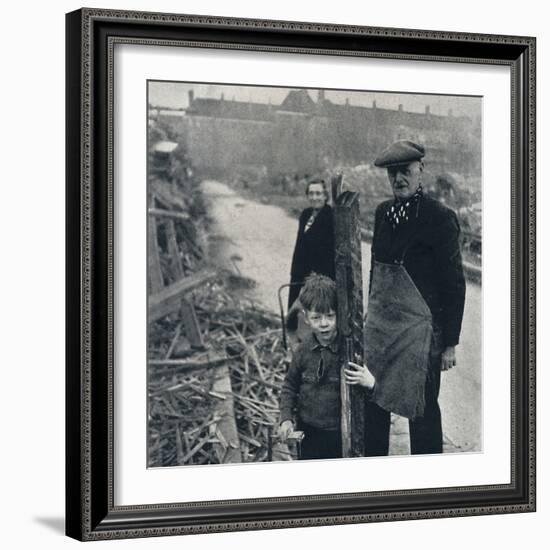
<point>191,324</point>
<point>347,230</point>
<point>188,364</point>
<point>156,282</point>
<point>173,250</point>
<point>336,184</point>
<point>174,342</point>
<point>227,425</point>
<point>169,194</point>
<point>169,298</point>
<point>188,315</point>
<point>161,212</point>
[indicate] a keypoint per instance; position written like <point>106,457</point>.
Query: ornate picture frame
<point>91,509</point>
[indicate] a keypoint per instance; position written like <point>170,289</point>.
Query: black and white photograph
<point>301,276</point>
<point>271,275</point>
<point>314,273</point>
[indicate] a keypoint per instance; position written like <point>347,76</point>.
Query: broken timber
<point>156,281</point>
<point>167,194</point>
<point>188,314</point>
<point>169,298</point>
<point>172,299</point>
<point>169,366</point>
<point>228,449</point>
<point>161,212</point>
<point>347,237</point>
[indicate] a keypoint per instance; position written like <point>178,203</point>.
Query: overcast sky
<point>175,95</point>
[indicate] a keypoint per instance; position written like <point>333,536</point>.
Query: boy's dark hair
<point>318,294</point>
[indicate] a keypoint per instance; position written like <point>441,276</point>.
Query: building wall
<point>294,143</point>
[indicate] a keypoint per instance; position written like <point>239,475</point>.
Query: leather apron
<point>398,336</point>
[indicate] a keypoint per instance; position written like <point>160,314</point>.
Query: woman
<point>314,249</point>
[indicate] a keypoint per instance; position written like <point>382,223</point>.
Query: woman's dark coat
<point>314,250</point>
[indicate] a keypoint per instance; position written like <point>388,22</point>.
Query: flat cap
<point>400,152</point>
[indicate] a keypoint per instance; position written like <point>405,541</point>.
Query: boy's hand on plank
<point>285,429</point>
<point>359,374</point>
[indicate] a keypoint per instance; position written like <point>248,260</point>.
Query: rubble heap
<point>215,358</point>
<point>188,421</point>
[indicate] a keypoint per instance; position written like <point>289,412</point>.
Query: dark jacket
<point>314,250</point>
<point>311,390</point>
<point>429,247</point>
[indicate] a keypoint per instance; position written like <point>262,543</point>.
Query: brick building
<point>303,135</point>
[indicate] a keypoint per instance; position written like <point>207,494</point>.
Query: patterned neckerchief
<point>400,211</point>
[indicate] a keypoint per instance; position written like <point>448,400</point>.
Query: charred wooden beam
<point>349,286</point>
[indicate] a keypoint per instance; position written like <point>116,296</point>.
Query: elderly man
<point>416,304</point>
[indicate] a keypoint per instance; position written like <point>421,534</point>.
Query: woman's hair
<point>317,180</point>
<point>318,294</point>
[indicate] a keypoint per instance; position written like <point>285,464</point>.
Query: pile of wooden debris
<point>220,403</point>
<point>215,358</point>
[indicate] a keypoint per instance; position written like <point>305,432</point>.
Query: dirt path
<point>262,237</point>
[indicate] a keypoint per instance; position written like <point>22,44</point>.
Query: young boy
<point>311,390</point>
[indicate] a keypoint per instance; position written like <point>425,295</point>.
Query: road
<point>259,239</point>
